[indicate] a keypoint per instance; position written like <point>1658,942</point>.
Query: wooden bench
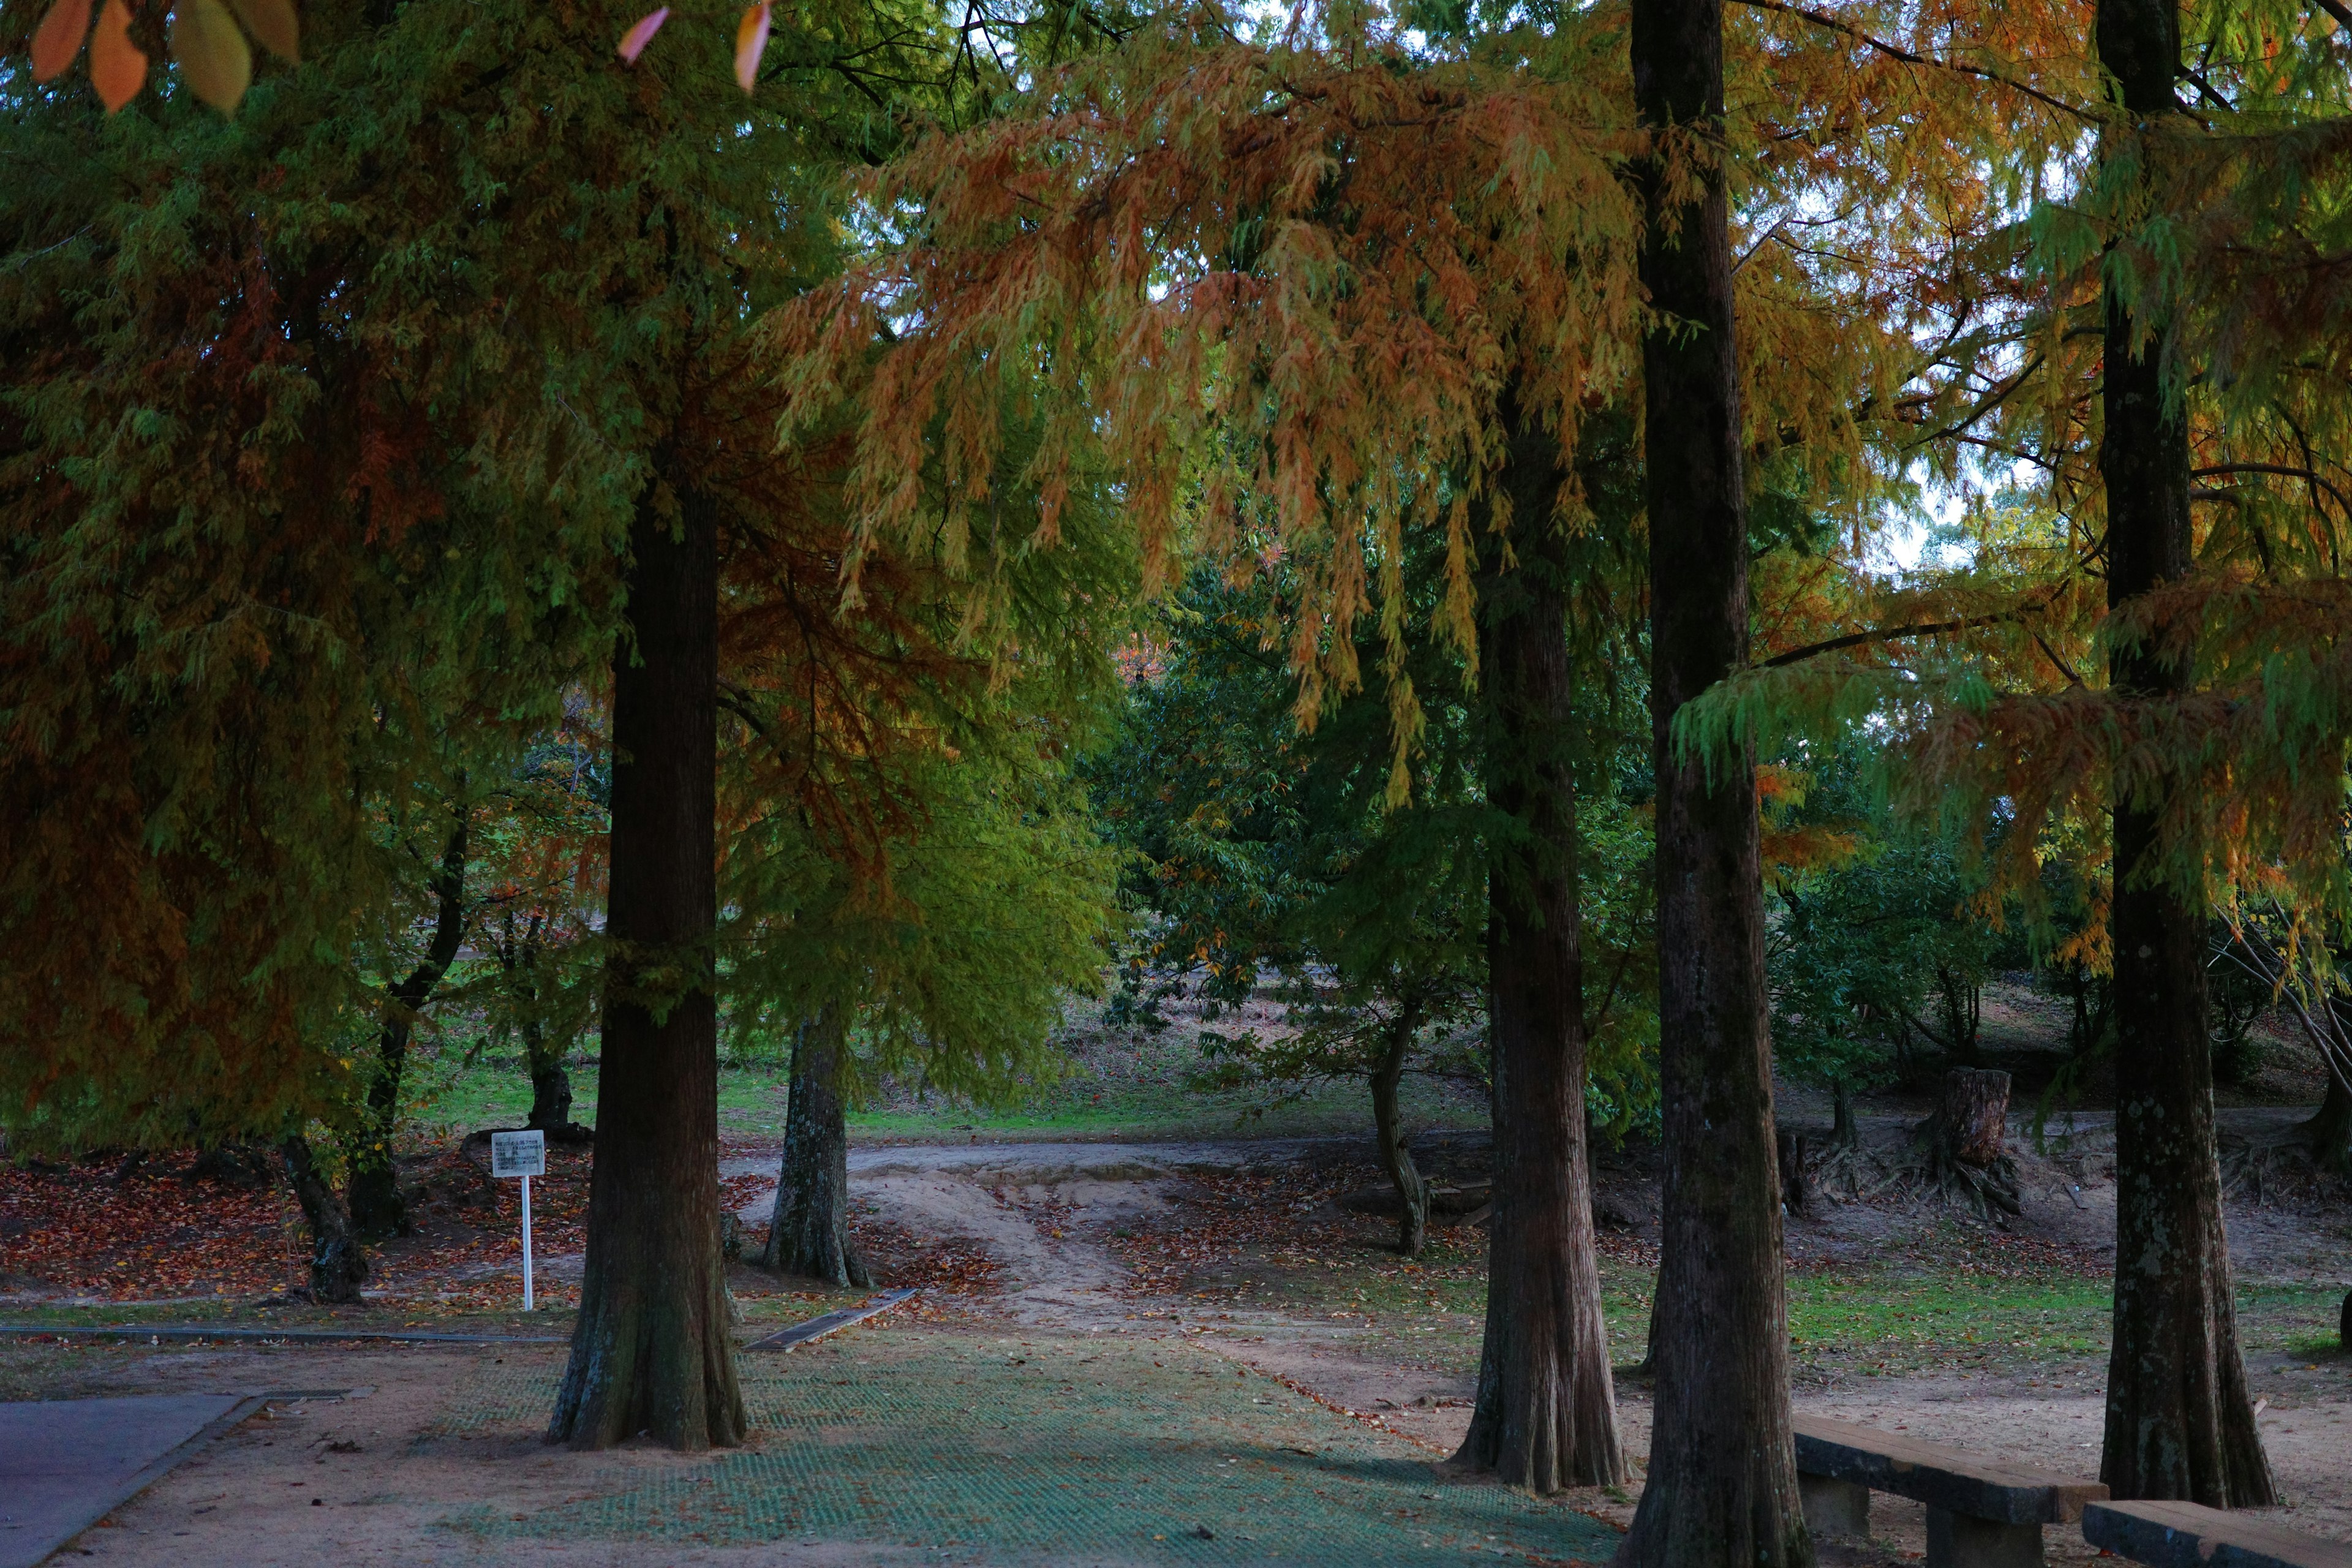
<point>1981,1513</point>
<point>2188,1535</point>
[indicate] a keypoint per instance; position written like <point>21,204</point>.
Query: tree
<point>650,1348</point>
<point>2180,1422</point>
<point>809,1231</point>
<point>1545,1414</point>
<point>1285,854</point>
<point>376,1206</point>
<point>1466,193</point>
<point>423,419</point>
<point>1722,1484</point>
<point>540,842</point>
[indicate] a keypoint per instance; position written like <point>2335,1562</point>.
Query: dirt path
<point>1044,1210</point>
<point>1040,1209</point>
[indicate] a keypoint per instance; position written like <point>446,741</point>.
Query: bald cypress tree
<point>1722,1483</point>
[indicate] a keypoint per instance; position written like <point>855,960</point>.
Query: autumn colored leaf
<point>118,68</point>
<point>750,42</point>
<point>59,37</point>
<point>214,54</point>
<point>272,22</point>
<point>633,42</point>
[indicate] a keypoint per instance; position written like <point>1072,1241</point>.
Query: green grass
<point>1136,1084</point>
<point>1869,1323</point>
<point>1126,1084</point>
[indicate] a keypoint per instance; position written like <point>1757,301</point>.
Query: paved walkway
<point>65,1464</point>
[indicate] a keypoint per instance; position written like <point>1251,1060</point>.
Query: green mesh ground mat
<point>1040,1450</point>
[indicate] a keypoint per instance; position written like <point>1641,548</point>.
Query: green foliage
<point>954,953</point>
<point>1265,854</point>
<point>1880,943</point>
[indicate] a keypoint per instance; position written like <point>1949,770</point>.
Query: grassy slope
<point>1113,1084</point>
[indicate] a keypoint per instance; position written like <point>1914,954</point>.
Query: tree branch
<point>1896,51</point>
<point>1888,633</point>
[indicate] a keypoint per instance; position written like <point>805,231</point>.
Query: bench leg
<point>1834,1507</point>
<point>1958,1540</point>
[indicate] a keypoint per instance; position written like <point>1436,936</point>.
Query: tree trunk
<point>550,1092</point>
<point>1546,1414</point>
<point>1722,1486</point>
<point>1963,1003</point>
<point>1412,1192</point>
<point>1970,1124</point>
<point>2329,1132</point>
<point>809,1233</point>
<point>1789,1157</point>
<point>1844,1132</point>
<point>650,1349</point>
<point>1967,1142</point>
<point>2179,1424</point>
<point>377,1207</point>
<point>337,1264</point>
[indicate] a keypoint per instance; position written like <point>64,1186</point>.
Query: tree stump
<point>1968,1139</point>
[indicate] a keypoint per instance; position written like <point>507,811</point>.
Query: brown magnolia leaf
<point>211,53</point>
<point>58,39</point>
<point>750,42</point>
<point>272,22</point>
<point>118,68</point>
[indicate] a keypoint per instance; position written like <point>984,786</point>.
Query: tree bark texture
<point>2179,1424</point>
<point>337,1266</point>
<point>1412,1192</point>
<point>1970,1125</point>
<point>1967,1138</point>
<point>1722,1485</point>
<point>651,1351</point>
<point>1546,1411</point>
<point>377,1207</point>
<point>809,1232</point>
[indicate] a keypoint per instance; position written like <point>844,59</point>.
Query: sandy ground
<point>360,1480</point>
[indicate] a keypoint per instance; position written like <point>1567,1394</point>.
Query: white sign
<point>521,1154</point>
<point>518,1153</point>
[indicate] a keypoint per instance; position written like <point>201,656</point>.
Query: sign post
<point>521,1154</point>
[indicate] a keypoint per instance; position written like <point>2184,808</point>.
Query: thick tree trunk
<point>1546,1414</point>
<point>1412,1192</point>
<point>650,1350</point>
<point>337,1265</point>
<point>809,1233</point>
<point>1967,1140</point>
<point>1722,1486</point>
<point>377,1207</point>
<point>1844,1131</point>
<point>1970,1124</point>
<point>2180,1423</point>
